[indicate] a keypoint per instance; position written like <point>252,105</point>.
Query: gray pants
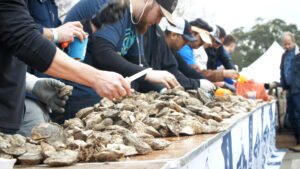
<point>35,114</point>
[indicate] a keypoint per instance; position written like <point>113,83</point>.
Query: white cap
<point>182,27</point>
<point>178,27</point>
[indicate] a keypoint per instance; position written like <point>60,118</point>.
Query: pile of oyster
<point>133,126</point>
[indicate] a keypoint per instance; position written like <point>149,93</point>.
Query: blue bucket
<point>77,49</point>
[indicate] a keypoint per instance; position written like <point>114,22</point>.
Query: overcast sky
<point>236,13</point>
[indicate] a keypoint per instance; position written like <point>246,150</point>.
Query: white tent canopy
<point>266,68</point>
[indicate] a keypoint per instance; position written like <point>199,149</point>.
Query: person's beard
<point>142,27</point>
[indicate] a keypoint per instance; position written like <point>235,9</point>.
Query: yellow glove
<point>242,79</point>
<point>223,92</point>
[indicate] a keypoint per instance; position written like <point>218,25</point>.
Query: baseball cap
<point>202,28</point>
<point>183,28</point>
<point>205,36</point>
<point>200,23</point>
<point>167,7</point>
<point>215,34</point>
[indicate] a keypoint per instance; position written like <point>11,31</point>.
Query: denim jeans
<point>35,114</point>
<point>293,102</point>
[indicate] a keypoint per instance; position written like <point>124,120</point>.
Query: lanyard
<point>139,48</point>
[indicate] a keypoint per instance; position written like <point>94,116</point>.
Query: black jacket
<point>20,44</point>
<point>186,69</point>
<point>215,55</point>
<point>160,57</point>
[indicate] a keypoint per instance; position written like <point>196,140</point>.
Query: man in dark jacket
<point>216,52</point>
<point>119,47</point>
<point>159,55</point>
<point>21,44</point>
<point>290,81</point>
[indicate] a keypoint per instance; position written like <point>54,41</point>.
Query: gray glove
<point>49,91</point>
<point>206,85</point>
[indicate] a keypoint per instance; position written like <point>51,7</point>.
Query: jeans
<point>35,114</point>
<point>293,102</point>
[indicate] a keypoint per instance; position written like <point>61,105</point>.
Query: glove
<point>230,87</point>
<point>110,13</point>
<point>206,85</point>
<point>52,92</point>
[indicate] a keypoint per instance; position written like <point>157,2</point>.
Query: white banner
<point>250,144</point>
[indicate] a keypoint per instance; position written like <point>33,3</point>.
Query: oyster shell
<point>62,158</point>
<point>72,123</point>
<point>16,145</point>
<point>66,90</point>
<point>51,133</point>
<point>33,155</point>
<point>140,146</point>
<point>84,112</point>
<point>108,155</point>
<point>126,150</point>
<point>103,124</point>
<point>160,144</point>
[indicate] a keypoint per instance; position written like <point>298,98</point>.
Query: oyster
<point>204,96</point>
<point>72,123</point>
<point>4,143</point>
<point>126,150</point>
<point>140,146</point>
<point>16,145</point>
<point>98,138</point>
<point>191,126</point>
<point>65,91</point>
<point>76,144</point>
<point>205,114</point>
<point>62,158</point>
<point>101,126</point>
<point>154,122</point>
<point>84,112</point>
<point>51,133</point>
<point>159,144</point>
<point>47,149</point>
<point>108,155</point>
<point>33,155</point>
<point>140,127</point>
<point>82,134</point>
<point>92,119</point>
<point>107,103</point>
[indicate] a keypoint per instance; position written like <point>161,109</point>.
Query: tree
<point>253,43</point>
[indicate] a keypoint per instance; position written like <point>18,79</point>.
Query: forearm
<point>213,75</point>
<point>191,72</point>
<point>105,57</point>
<point>67,68</point>
<point>185,82</point>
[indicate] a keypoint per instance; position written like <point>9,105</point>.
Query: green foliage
<point>254,42</point>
